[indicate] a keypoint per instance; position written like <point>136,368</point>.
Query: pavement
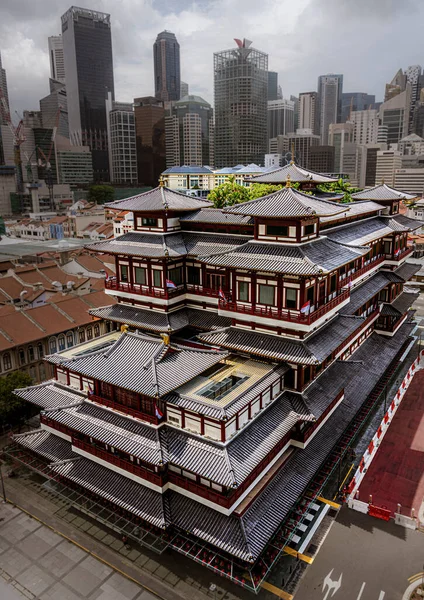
<point>363,558</point>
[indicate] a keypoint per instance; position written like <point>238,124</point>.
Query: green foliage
<point>101,194</point>
<point>12,409</point>
<point>228,194</point>
<point>340,187</point>
<point>258,190</point>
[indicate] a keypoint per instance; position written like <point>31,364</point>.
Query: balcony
<point>405,252</point>
<point>142,290</point>
<point>123,464</point>
<point>125,410</point>
<point>291,316</point>
<point>367,267</point>
<point>201,290</point>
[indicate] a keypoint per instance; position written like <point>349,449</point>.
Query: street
<point>363,558</point>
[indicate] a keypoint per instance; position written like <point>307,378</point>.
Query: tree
<point>340,187</point>
<point>228,194</point>
<point>258,190</point>
<point>101,194</point>
<point>12,409</point>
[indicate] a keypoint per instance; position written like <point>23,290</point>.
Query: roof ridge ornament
<point>288,180</point>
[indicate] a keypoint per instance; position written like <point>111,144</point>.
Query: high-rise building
<point>418,126</point>
<point>121,142</point>
<point>296,104</point>
<point>351,162</point>
<point>184,89</point>
<point>321,159</point>
<point>57,63</point>
<point>369,171</point>
<point>3,93</point>
<point>241,92</point>
<point>54,108</point>
<point>272,86</point>
<point>280,117</point>
<point>296,146</point>
<point>396,86</point>
<point>365,126</point>
<point>356,101</point>
<point>166,64</point>
<point>388,161</point>
<point>308,111</point>
<point>189,133</point>
<point>414,78</point>
<point>330,89</point>
<point>149,116</point>
<point>87,51</point>
<point>410,180</point>
<point>74,163</point>
<point>394,115</point>
<point>339,135</point>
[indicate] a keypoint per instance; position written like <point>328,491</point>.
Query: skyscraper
<point>413,77</point>
<point>308,111</point>
<point>57,64</point>
<point>241,92</point>
<point>184,89</point>
<point>5,95</point>
<point>355,101</point>
<point>149,116</point>
<point>166,63</point>
<point>272,86</point>
<point>54,108</point>
<point>280,118</point>
<point>122,142</point>
<point>340,134</point>
<point>189,133</point>
<point>394,115</point>
<point>330,89</point>
<point>87,50</point>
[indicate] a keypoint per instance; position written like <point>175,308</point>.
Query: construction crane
<point>18,139</point>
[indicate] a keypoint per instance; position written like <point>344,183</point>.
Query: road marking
<point>381,596</point>
<point>360,591</point>
<point>330,502</point>
<point>331,585</point>
<point>306,559</point>
<point>276,591</point>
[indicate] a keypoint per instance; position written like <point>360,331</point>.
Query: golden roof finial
<point>382,181</point>
<point>288,182</point>
<point>292,154</point>
<point>161,181</point>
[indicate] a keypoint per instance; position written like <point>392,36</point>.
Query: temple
<point>250,345</point>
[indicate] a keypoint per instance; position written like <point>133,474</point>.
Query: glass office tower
<point>166,63</point>
<point>87,49</point>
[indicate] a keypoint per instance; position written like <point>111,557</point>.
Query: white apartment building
<point>388,161</point>
<point>308,111</point>
<point>365,126</point>
<point>410,180</point>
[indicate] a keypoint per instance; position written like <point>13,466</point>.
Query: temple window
<point>157,278</point>
<point>333,283</point>
<point>140,275</point>
<point>310,294</point>
<point>89,333</point>
<point>124,273</point>
<point>306,375</point>
<point>149,222</point>
<point>193,275</point>
<point>277,230</point>
<point>69,339</point>
<point>7,362</point>
<point>266,294</point>
<point>81,336</point>
<point>31,354</point>
<point>243,291</point>
<point>52,345</point>
<point>96,330</point>
<point>61,343</point>
<point>22,359</point>
<point>106,390</point>
<point>309,229</point>
<point>291,298</point>
<point>175,275</point>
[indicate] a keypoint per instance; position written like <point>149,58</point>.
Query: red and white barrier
<point>353,488</point>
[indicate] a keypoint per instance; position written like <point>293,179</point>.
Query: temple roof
<point>151,320</point>
<point>365,292</point>
<point>404,301</point>
<point>306,259</point>
<point>382,192</point>
<point>407,270</point>
<point>295,173</point>
<point>172,245</point>
<point>286,203</point>
<point>144,365</point>
<point>364,232</point>
<point>411,224</point>
<point>215,215</point>
<point>313,350</point>
<point>45,444</point>
<point>354,209</point>
<point>49,395</point>
<point>160,198</point>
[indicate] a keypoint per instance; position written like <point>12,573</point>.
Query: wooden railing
<point>126,410</point>
<point>126,465</point>
<point>292,316</point>
<point>405,252</point>
<point>373,263</point>
<point>142,290</point>
<point>201,290</point>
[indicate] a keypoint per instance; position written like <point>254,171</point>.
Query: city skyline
<point>297,61</point>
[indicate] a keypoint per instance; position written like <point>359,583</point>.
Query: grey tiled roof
<point>49,395</point>
<point>313,350</point>
<point>46,444</point>
<point>354,209</point>
<point>215,215</point>
<point>365,292</point>
<point>151,320</point>
<point>108,427</point>
<point>308,259</point>
<point>159,199</point>
<point>404,301</point>
<point>407,270</point>
<point>297,174</point>
<point>144,365</point>
<point>172,245</point>
<point>411,224</point>
<point>362,233</point>
<point>382,192</point>
<point>387,310</point>
<point>287,202</point>
<point>116,488</point>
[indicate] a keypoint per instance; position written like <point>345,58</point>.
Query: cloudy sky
<point>366,40</point>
